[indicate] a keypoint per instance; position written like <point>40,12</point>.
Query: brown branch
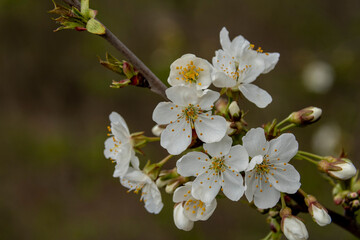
<point>156,85</point>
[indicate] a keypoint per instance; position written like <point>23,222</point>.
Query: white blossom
<point>293,228</point>
<point>186,112</point>
<point>219,171</point>
<point>189,208</point>
<point>269,172</point>
<point>237,65</point>
<point>135,180</point>
<point>118,147</point>
<point>320,215</point>
<point>191,71</point>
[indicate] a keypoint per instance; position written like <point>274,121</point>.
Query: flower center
<point>218,165</point>
<point>189,73</point>
<point>191,113</point>
<point>263,167</point>
<point>194,205</point>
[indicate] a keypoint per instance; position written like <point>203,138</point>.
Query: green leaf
<point>95,27</point>
<point>85,8</point>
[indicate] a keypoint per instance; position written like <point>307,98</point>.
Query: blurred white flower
<point>191,71</point>
<point>189,208</point>
<point>269,172</point>
<point>318,76</point>
<point>220,171</point>
<point>237,65</point>
<point>326,139</point>
<point>187,111</point>
<point>135,180</point>
<point>118,147</point>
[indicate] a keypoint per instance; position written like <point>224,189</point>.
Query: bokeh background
<point>55,100</point>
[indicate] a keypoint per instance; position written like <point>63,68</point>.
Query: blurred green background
<point>55,100</point>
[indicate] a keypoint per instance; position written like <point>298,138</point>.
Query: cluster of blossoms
<point>217,161</point>
<point>217,154</point>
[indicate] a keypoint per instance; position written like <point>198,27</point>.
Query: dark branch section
<point>156,85</point>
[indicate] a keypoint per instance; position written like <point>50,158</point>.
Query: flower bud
<point>221,105</point>
<point>157,130</point>
<point>174,184</point>
<point>234,110</point>
<point>339,168</point>
<point>338,199</point>
<point>355,203</point>
<point>128,70</point>
<point>352,195</point>
<point>305,116</point>
<point>292,227</point>
<point>180,220</point>
<point>319,214</point>
<point>231,128</point>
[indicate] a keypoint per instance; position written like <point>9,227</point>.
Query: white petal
<point>209,209</point>
<point>270,60</point>
<point>166,112</point>
<point>239,46</point>
<point>255,142</point>
<point>176,137</point>
<point>109,145</point>
<point>264,195</point>
<point>210,128</point>
<point>193,164</point>
<point>224,39</point>
<point>180,220</point>
<point>237,158</point>
<point>135,161</point>
<point>206,187</point>
<point>219,149</point>
<point>152,198</point>
<point>117,118</point>
<point>250,183</point>
<point>182,95</point>
<point>121,169</point>
<point>288,181</point>
<point>182,193</point>
<point>255,95</point>
<point>208,98</point>
<point>255,160</point>
<point>221,80</point>
<point>283,148</point>
<point>135,177</point>
<point>119,132</point>
<point>233,187</point>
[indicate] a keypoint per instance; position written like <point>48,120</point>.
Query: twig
<point>156,85</point>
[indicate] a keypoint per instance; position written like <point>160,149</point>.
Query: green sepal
<point>85,8</point>
<point>95,27</point>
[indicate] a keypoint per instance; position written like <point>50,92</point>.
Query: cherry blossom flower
<point>190,209</point>
<point>135,180</point>
<point>191,71</point>
<point>221,170</point>
<point>118,147</point>
<point>269,172</point>
<point>188,111</point>
<point>237,65</point>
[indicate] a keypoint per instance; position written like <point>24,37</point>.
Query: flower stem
<point>301,157</point>
<point>287,127</point>
<point>162,162</point>
<point>152,139</point>
<point>283,204</point>
<point>310,155</point>
<point>302,192</point>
